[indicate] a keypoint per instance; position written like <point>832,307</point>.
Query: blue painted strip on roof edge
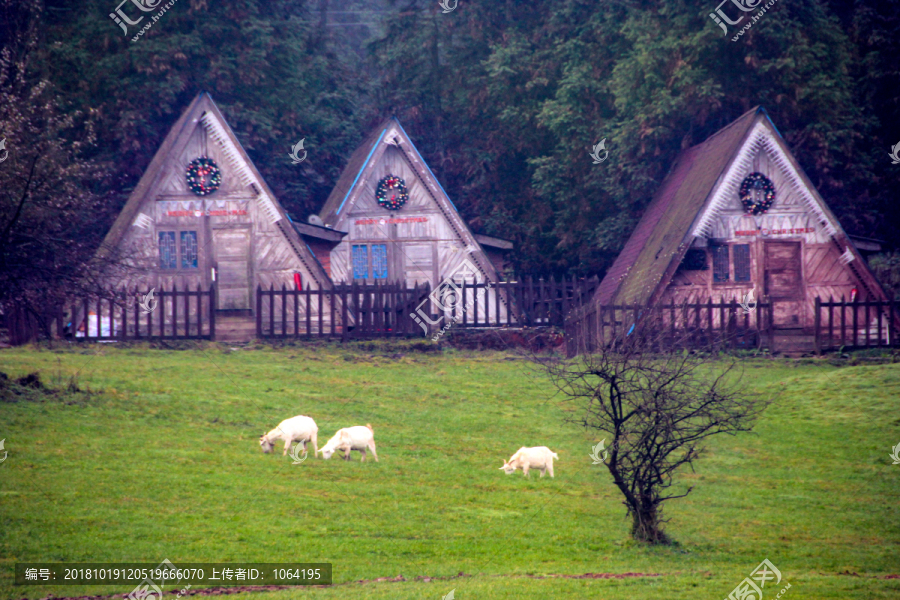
<point>416,150</point>
<point>363,168</point>
<point>771,122</point>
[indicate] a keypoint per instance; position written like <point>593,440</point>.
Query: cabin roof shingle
<point>659,237</point>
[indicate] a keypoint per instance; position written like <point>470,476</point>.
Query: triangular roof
<point>360,167</point>
<point>697,187</point>
<point>203,112</point>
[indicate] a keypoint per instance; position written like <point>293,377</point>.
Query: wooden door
<point>232,247</point>
<point>419,263</point>
<point>784,283</point>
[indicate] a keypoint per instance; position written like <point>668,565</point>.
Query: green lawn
<point>165,463</point>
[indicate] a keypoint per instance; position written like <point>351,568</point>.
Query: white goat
<point>539,457</point>
<point>351,438</point>
<point>300,429</point>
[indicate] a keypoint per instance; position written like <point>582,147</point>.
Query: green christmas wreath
<point>203,176</point>
<point>391,193</point>
<point>757,193</point>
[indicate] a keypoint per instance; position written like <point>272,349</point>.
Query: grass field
<point>164,462</point>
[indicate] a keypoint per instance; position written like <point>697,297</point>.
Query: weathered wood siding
<point>422,244</point>
<point>821,272</point>
<point>237,232</point>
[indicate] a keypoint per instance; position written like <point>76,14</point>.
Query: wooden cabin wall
<point>235,233</point>
<point>789,220</point>
<point>322,251</point>
<point>422,245</point>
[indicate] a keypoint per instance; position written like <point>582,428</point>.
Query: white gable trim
<point>217,132</point>
<point>760,138</point>
<point>143,221</point>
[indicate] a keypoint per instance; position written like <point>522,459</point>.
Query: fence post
<point>321,304</point>
<point>891,324</point>
<point>259,305</point>
<point>333,310</point>
<point>817,323</point>
<point>344,311</point>
<point>308,309</point>
<point>868,325</point>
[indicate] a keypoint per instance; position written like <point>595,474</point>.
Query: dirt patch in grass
<point>225,591</point>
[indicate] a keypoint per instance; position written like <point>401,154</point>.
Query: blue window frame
<point>167,257</point>
<point>188,249</point>
<point>379,261</point>
<point>360,262</point>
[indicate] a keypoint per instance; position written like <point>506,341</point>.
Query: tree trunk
<point>645,524</point>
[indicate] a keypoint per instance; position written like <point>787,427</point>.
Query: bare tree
<point>49,212</point>
<point>657,406</point>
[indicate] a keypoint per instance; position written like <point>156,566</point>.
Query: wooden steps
<point>232,328</point>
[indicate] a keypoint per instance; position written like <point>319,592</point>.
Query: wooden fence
<point>727,325</point>
<point>388,310</point>
<point>710,325</point>
<point>175,315</point>
<point>851,325</point>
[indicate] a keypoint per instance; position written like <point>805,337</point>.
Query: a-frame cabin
<point>737,213</point>
<point>201,213</point>
<point>414,234</point>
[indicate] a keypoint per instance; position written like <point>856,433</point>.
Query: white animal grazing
<point>351,438</point>
<point>539,457</point>
<point>300,429</point>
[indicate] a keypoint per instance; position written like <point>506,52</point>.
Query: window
<point>379,264</point>
<point>167,258</point>
<point>720,263</point>
<point>741,257</point>
<point>379,261</point>
<point>360,262</point>
<point>168,250</point>
<point>188,249</point>
<point>695,260</point>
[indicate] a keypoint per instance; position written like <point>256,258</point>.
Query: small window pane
<point>188,249</point>
<point>379,261</point>
<point>741,256</point>
<point>720,263</point>
<point>167,255</point>
<point>360,262</point>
